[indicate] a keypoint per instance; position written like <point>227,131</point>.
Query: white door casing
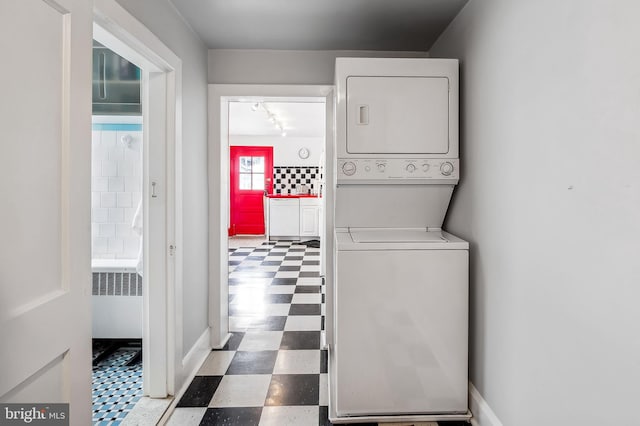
<point>163,369</point>
<point>218,164</point>
<point>45,276</point>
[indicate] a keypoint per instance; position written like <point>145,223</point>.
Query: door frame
<point>219,97</point>
<point>162,91</point>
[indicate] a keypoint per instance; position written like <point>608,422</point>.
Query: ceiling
<point>401,25</point>
<point>299,119</point>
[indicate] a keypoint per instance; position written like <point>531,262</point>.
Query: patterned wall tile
<point>287,178</point>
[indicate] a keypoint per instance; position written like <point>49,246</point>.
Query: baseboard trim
<point>197,354</point>
<point>190,365</point>
<point>223,343</point>
<point>483,415</point>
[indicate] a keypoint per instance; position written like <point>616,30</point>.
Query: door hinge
<point>172,249</point>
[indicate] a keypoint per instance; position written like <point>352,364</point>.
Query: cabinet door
<point>309,221</point>
<point>284,218</point>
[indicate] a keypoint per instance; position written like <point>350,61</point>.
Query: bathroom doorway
<point>117,211</point>
<point>142,198</point>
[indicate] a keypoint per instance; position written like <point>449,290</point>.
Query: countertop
<point>292,196</point>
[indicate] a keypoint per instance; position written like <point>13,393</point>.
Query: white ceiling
<point>299,119</point>
<point>404,25</point>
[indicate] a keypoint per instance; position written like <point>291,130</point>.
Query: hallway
<point>272,371</point>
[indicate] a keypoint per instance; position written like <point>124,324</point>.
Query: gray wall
<point>161,18</point>
<point>283,66</point>
<point>550,200</point>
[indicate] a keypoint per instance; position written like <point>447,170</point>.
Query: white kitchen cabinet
<point>295,218</point>
<point>309,217</point>
<point>284,217</point>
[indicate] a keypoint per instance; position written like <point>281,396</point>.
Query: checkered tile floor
<point>116,388</point>
<point>272,372</point>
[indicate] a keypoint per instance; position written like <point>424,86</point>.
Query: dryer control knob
<point>381,167</point>
<point>349,168</point>
<point>446,168</point>
<point>425,167</point>
<point>411,168</point>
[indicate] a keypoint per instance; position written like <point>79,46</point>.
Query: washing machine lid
<point>396,235</point>
<point>397,239</point>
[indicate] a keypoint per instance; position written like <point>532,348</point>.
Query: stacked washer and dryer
<point>398,348</point>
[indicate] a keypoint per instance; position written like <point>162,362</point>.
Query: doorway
<point>271,295</point>
<point>159,207</point>
<point>116,235</point>
<point>287,178</point>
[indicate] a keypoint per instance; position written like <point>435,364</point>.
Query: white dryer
<point>397,305</point>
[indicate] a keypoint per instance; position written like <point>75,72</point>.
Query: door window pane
<point>258,181</point>
<point>245,181</point>
<point>245,164</point>
<point>257,164</point>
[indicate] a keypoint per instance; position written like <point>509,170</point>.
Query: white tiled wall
<point>115,193</point>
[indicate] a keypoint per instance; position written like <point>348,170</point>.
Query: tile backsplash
<point>116,185</point>
<point>286,178</point>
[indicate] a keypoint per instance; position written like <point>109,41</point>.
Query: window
<point>251,173</point>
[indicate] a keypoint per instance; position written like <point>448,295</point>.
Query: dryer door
<point>397,115</point>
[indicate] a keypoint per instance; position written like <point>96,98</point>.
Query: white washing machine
<point>401,305</point>
<point>397,303</point>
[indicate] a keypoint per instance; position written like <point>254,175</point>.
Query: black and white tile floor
<point>273,371</point>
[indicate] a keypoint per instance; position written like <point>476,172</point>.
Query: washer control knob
<point>446,168</point>
<point>367,168</point>
<point>381,167</point>
<point>425,167</point>
<point>411,167</point>
<point>349,168</point>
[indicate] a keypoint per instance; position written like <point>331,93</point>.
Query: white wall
<point>285,149</point>
<point>162,19</point>
<point>283,66</point>
<point>550,200</point>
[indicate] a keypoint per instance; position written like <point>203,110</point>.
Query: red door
<point>251,174</point>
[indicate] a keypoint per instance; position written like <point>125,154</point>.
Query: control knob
<point>446,168</point>
<point>349,168</point>
<point>411,168</point>
<point>425,167</point>
<point>381,167</point>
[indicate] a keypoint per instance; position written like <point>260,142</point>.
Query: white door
<point>157,264</point>
<point>45,160</point>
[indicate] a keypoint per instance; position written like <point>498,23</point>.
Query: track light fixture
<point>270,116</point>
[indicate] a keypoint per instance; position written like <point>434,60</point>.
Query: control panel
<point>376,169</point>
